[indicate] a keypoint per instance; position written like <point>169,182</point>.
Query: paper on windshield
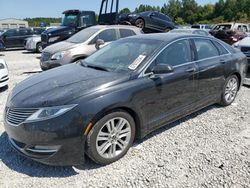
<point>137,62</point>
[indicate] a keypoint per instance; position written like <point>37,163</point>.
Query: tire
<point>167,29</point>
<point>230,90</point>
<point>103,142</point>
<point>140,23</point>
<point>39,47</point>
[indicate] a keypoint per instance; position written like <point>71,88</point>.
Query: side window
<point>205,48</point>
<point>221,49</point>
<point>126,33</point>
<point>108,35</point>
<point>10,33</point>
<point>23,32</point>
<point>176,54</point>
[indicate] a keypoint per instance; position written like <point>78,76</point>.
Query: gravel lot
<point>210,148</point>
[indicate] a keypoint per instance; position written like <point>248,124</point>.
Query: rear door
<point>10,38</point>
<point>211,69</point>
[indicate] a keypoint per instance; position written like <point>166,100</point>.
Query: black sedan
<point>148,20</point>
<point>2,46</point>
<point>122,92</point>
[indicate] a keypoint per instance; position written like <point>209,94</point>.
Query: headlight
<point>53,39</point>
<point>50,112</point>
<point>2,66</point>
<point>132,15</point>
<point>58,55</point>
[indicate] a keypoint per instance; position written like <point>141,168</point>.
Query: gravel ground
<point>210,148</point>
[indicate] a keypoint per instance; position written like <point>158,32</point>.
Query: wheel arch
<point>238,76</point>
<point>130,111</point>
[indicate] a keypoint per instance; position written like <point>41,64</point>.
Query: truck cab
<point>72,22</point>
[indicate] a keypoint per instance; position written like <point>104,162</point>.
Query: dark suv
<point>148,20</point>
<point>14,38</point>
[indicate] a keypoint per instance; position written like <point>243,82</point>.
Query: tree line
<point>190,12</point>
<point>185,12</point>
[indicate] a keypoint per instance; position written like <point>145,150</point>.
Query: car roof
<point>115,27</point>
<point>167,37</point>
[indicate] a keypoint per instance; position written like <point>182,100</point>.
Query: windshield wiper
<point>95,67</point>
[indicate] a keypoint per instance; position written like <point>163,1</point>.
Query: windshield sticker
<point>137,62</point>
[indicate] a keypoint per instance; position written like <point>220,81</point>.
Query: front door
<point>169,95</point>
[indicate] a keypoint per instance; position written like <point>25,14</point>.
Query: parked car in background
<point>2,45</point>
<point>148,20</point>
<point>72,22</point>
<point>191,31</point>
<point>230,32</point>
<point>14,38</point>
<point>4,74</point>
<point>33,44</point>
<point>123,91</point>
<point>244,46</point>
<point>83,44</point>
<point>202,26</point>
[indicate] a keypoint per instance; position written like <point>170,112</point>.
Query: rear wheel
<point>230,90</point>
<point>111,137</point>
<point>39,47</point>
<point>140,23</point>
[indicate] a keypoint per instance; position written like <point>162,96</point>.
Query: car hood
<point>61,85</point>
<point>60,46</point>
<point>58,30</point>
<point>244,42</point>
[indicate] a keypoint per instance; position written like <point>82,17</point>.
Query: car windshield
<point>224,27</point>
<point>69,20</point>
<point>83,35</point>
<point>123,56</point>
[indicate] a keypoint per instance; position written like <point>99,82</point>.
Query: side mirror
<point>152,14</point>
<point>162,69</point>
<point>98,43</point>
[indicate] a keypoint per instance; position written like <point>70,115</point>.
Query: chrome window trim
<point>145,67</point>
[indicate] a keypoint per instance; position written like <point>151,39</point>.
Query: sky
<point>53,8</point>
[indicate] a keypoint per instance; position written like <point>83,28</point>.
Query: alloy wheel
<point>231,90</point>
<point>113,138</point>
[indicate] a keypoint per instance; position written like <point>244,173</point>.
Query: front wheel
<point>140,23</point>
<point>39,48</point>
<point>111,137</point>
<point>230,90</point>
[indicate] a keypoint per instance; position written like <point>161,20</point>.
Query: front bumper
<point>49,64</point>
<point>58,141</point>
<point>30,46</point>
<point>4,81</point>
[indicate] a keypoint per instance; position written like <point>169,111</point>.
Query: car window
<point>221,49</point>
<point>126,33</point>
<point>24,32</point>
<point>200,32</point>
<point>108,35</point>
<point>176,54</point>
<point>10,33</point>
<point>205,48</point>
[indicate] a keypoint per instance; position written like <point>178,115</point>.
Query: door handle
<point>191,70</point>
<point>222,61</point>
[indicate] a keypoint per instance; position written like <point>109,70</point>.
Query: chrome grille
<point>44,38</point>
<point>245,49</point>
<point>16,116</point>
<point>45,56</point>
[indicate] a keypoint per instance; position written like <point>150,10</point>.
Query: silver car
<point>33,44</point>
<point>83,44</point>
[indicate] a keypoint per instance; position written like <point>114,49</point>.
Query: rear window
<point>221,49</point>
<point>126,33</point>
<point>205,49</point>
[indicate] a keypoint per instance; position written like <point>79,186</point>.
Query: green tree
<point>172,9</point>
<point>125,11</point>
